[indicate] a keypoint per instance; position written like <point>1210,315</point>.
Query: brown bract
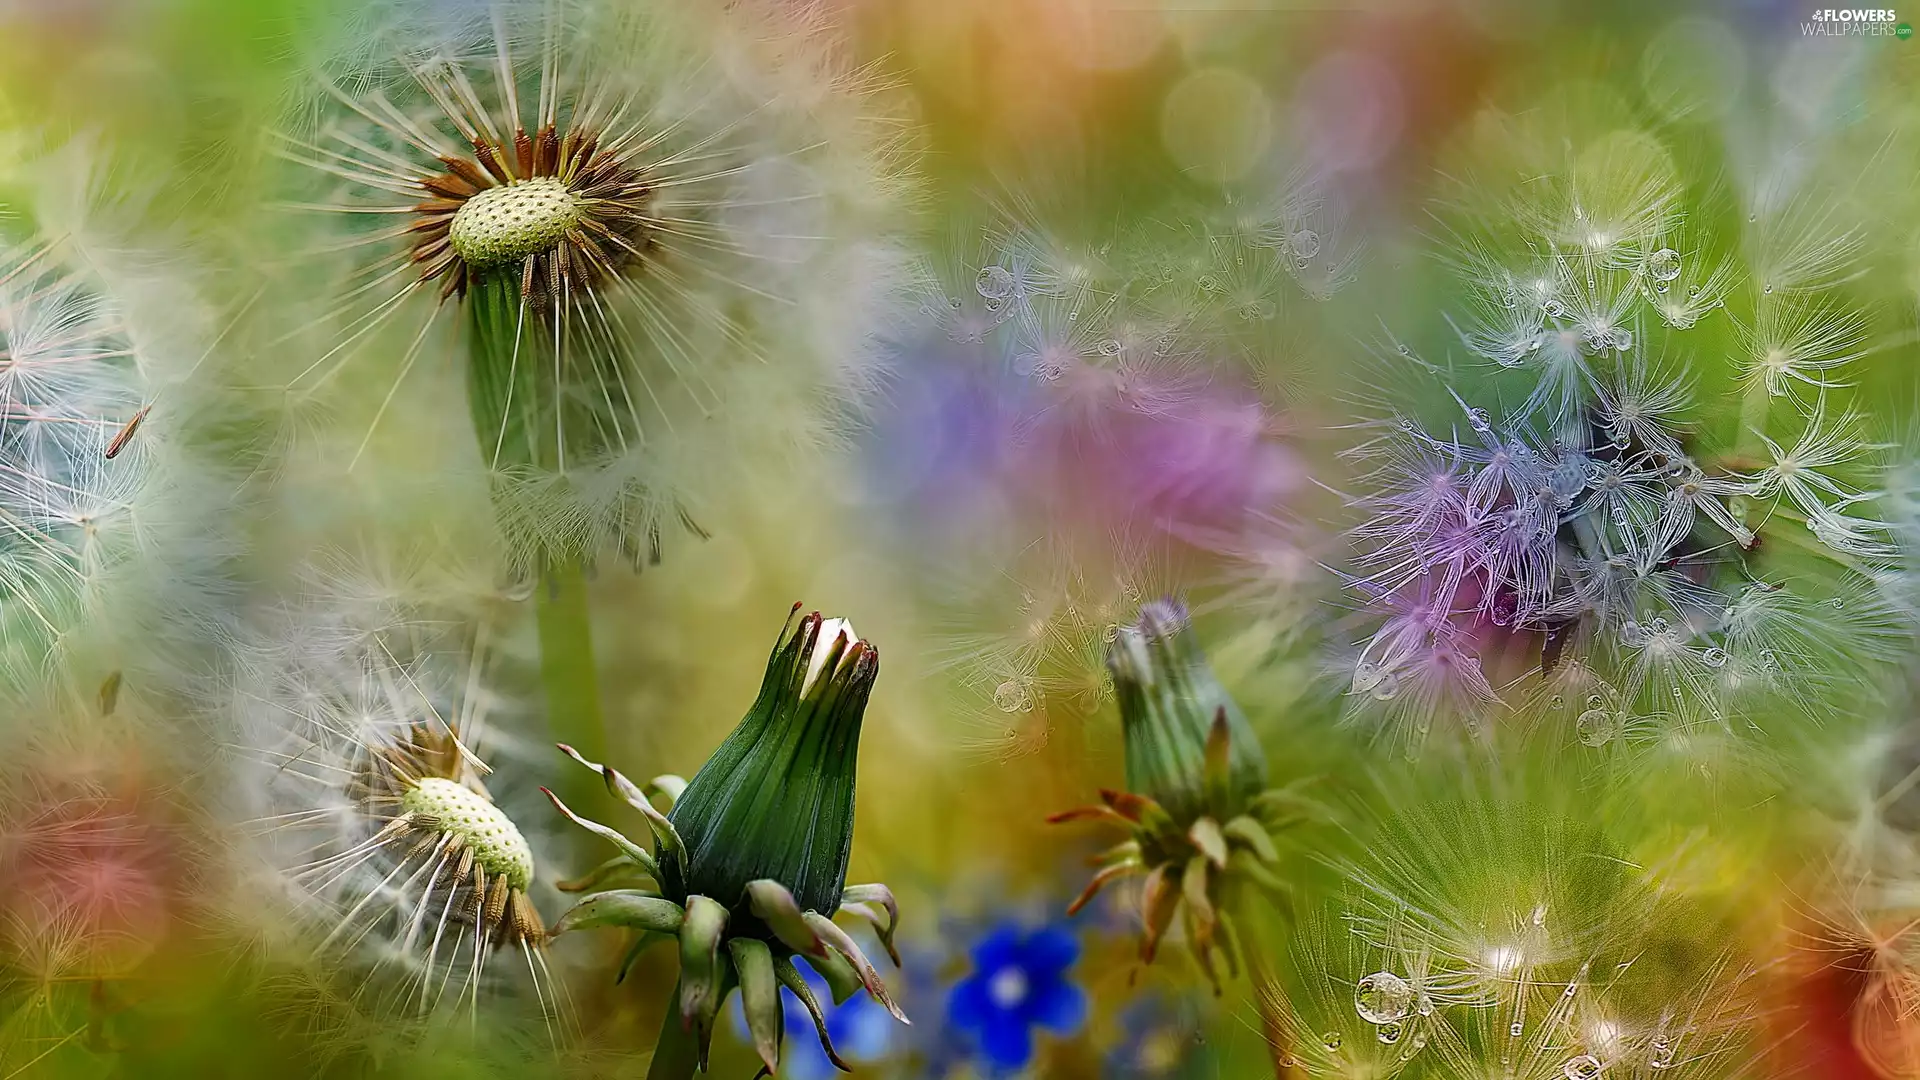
<point>569,211</point>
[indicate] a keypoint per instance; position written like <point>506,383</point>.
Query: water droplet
<point>995,304</point>
<point>1661,1055</point>
<point>1595,701</point>
<point>1110,347</point>
<point>1693,290</point>
<point>1389,1033</point>
<point>1556,702</point>
<point>1516,1029</point>
<point>1584,1067</point>
<point>1768,289</point>
<point>1009,696</point>
<point>1423,1006</point>
<point>1305,244</point>
<point>1331,1040</point>
<point>1714,657</point>
<point>1388,688</point>
<point>1366,676</point>
<point>1382,998</point>
<point>1769,660</point>
<point>1595,727</point>
<point>1208,284</point>
<point>1622,339</point>
<point>953,302</point>
<point>1481,420</point>
<point>994,282</point>
<point>1663,265</point>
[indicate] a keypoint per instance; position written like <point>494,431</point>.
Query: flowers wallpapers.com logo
<point>1855,22</point>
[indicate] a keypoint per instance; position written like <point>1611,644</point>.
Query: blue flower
<point>1019,981</point>
<point>861,1030</point>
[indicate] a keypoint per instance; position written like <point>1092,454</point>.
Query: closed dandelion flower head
<point>631,221</point>
<point>749,863</point>
<point>1200,816</point>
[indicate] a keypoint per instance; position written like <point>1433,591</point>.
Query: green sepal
<point>775,801</point>
<point>842,980</point>
<point>843,943</point>
<point>640,856</point>
<point>665,786</point>
<point>663,832</point>
<point>860,899</point>
<point>1206,835</point>
<point>790,978</point>
<point>623,907</point>
<point>1250,834</point>
<point>771,903</point>
<point>704,969</point>
<point>759,997</point>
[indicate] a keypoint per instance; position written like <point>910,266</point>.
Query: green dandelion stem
<point>1755,403</point>
<point>676,1053</point>
<point>568,674</point>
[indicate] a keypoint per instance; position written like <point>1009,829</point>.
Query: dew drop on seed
<point>1661,1056</point>
<point>994,282</point>
<point>1382,998</point>
<point>1584,1067</point>
<point>1595,727</point>
<point>1714,657</point>
<point>1389,1033</point>
<point>1008,696</point>
<point>1110,347</point>
<point>1516,1029</point>
<point>1663,265</point>
<point>1556,702</point>
<point>1305,244</point>
<point>1331,1040</point>
<point>1595,701</point>
<point>1388,687</point>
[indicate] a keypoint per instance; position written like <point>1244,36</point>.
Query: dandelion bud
<point>750,863</point>
<point>1170,705</point>
<point>1198,819</point>
<point>776,799</point>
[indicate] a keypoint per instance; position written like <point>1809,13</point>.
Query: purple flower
<point>1019,982</point>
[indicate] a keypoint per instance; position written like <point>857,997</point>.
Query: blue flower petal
<point>1048,951</point>
<point>969,1005</point>
<point>998,949</point>
<point>1007,1043</point>
<point>1057,1005</point>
